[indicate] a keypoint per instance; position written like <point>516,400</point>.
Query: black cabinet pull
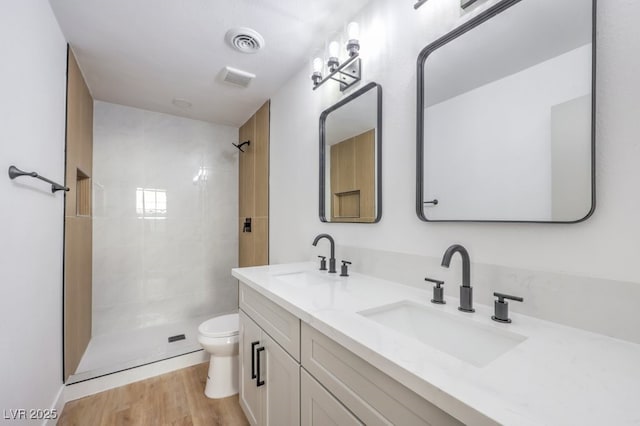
<point>253,361</point>
<point>258,381</point>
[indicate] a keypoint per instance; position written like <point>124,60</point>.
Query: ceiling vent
<point>237,77</point>
<point>244,40</point>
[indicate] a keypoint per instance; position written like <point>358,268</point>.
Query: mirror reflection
<point>505,116</point>
<point>349,158</point>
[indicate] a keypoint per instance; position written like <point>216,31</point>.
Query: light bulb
<point>333,63</point>
<point>353,31</point>
<point>334,49</point>
<point>317,65</point>
<point>316,77</point>
<point>353,45</point>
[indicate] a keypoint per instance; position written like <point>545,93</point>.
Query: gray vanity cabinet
<point>319,408</point>
<point>250,400</point>
<point>278,323</point>
<point>311,380</point>
<point>282,387</point>
<point>269,374</point>
<point>371,395</point>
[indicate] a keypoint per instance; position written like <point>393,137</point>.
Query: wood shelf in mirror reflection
<point>353,179</point>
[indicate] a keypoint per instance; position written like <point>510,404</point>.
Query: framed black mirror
<point>505,117</point>
<point>350,158</point>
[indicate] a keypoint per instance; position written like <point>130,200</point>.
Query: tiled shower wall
<point>165,208</point>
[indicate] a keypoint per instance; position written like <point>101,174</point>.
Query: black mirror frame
<point>462,29</point>
<point>378,180</point>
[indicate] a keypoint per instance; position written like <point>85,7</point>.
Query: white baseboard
<point>100,384</point>
<point>58,405</point>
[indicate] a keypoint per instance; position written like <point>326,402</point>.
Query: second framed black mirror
<point>505,116</point>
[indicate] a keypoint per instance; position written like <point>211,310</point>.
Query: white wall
<point>150,269</point>
<point>32,126</point>
<point>605,246</point>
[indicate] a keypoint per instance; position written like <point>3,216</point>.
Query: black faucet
<point>332,259</point>
<point>466,291</point>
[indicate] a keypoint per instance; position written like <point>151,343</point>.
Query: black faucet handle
<point>438,291</point>
<point>438,283</point>
<point>502,296</point>
<point>501,307</point>
<point>344,269</point>
<point>323,263</point>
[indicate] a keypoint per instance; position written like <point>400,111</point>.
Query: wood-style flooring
<point>176,398</point>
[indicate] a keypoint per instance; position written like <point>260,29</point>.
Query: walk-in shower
<point>164,235</point>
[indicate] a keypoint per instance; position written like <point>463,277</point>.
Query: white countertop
<point>557,376</point>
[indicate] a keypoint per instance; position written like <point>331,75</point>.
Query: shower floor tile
<point>109,353</point>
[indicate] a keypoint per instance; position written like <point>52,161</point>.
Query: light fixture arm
<point>347,74</point>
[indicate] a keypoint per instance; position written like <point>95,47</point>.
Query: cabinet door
<point>250,394</point>
<point>319,408</point>
<point>282,385</point>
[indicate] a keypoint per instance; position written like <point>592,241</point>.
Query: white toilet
<point>219,337</point>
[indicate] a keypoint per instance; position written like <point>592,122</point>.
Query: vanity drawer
<point>319,408</point>
<point>282,326</point>
<point>374,397</point>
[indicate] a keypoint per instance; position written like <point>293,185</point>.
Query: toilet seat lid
<point>221,326</point>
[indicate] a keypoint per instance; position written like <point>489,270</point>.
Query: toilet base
<point>222,378</point>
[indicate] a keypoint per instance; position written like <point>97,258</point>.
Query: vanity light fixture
<point>349,72</point>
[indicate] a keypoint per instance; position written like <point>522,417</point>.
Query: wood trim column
<point>78,223</point>
<point>254,190</point>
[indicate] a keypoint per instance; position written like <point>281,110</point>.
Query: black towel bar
<point>15,172</point>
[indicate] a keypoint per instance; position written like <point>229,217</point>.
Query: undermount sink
<point>469,341</point>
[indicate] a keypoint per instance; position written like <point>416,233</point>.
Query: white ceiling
<point>145,53</point>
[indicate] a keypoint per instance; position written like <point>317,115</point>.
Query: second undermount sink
<point>475,343</point>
